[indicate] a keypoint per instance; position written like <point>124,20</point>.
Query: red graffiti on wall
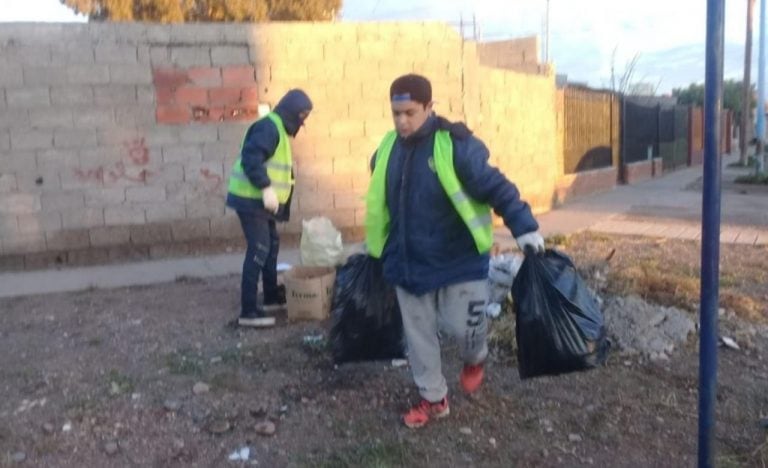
<point>138,155</point>
<point>137,151</point>
<point>213,180</point>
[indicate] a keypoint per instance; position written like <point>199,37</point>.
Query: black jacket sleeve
<point>259,145</point>
<point>487,184</point>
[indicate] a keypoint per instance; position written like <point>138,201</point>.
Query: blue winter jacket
<point>259,145</point>
<point>429,246</point>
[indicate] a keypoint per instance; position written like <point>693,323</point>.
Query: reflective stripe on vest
<point>476,216</point>
<point>278,169</point>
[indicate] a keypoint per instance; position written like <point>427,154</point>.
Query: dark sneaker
<point>256,319</point>
<point>275,303</point>
<point>420,414</point>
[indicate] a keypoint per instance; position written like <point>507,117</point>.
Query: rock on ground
<point>639,327</point>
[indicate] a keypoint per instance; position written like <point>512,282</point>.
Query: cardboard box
<point>309,292</point>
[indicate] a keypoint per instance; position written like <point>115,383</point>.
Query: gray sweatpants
<point>458,309</point>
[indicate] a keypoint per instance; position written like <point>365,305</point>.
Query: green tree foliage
<point>694,95</point>
<point>181,11</point>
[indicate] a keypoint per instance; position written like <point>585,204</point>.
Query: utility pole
<point>746,102</point>
<point>710,232</point>
<point>760,130</point>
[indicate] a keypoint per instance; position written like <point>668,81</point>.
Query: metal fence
<point>673,137</point>
<point>602,129</point>
<point>640,131</point>
<point>591,130</point>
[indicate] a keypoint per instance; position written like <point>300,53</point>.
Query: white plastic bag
<point>320,243</point>
<point>502,270</point>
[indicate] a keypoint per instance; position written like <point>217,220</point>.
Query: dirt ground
<point>105,378</point>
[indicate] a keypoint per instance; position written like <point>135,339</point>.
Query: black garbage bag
<point>367,324</point>
<point>560,327</point>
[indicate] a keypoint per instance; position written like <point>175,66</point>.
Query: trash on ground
<point>729,342</point>
<point>367,324</point>
<point>242,454</point>
<point>502,270</point>
<point>320,243</point>
<point>559,326</point>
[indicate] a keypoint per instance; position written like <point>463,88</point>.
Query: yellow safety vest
<point>476,215</point>
<point>278,169</point>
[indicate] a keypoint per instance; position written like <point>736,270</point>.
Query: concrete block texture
<point>68,240</point>
<point>28,97</point>
<point>87,74</point>
<point>133,128</point>
<point>82,218</point>
<point>191,229</point>
<point>150,234</point>
<point>109,236</point>
<point>116,54</point>
<point>11,74</point>
<point>20,203</point>
<point>68,95</point>
<point>123,215</point>
<point>31,139</point>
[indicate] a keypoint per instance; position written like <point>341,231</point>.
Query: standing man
<point>260,190</point>
<point>429,219</point>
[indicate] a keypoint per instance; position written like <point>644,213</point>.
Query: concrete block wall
<point>516,115</point>
<point>638,171</point>
<point>658,167</point>
<point>116,140</point>
<point>519,54</point>
<point>585,183</point>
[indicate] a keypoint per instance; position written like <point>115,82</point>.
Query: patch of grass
<point>728,281</point>
<point>502,336</point>
<point>751,162</point>
<point>743,306</point>
<point>94,342</point>
<point>119,383</point>
<point>229,381</point>
<point>189,279</point>
<point>657,284</point>
<point>753,179</point>
<point>558,240</point>
<point>47,446</point>
<point>679,286</point>
<point>594,236</point>
<point>756,457</point>
<point>370,455</point>
<point>81,405</point>
<point>184,362</point>
<point>315,343</point>
<point>232,356</point>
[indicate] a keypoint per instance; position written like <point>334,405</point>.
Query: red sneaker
<point>471,377</point>
<point>420,414</point>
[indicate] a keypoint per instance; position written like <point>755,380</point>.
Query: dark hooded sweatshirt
<point>429,246</point>
<point>259,146</point>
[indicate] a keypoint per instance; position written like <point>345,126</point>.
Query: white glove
<point>270,199</point>
<point>533,240</point>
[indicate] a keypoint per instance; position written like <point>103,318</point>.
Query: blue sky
<point>668,34</point>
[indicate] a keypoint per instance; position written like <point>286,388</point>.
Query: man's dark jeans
<point>260,257</point>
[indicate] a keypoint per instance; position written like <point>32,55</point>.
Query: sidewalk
<point>669,207</point>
